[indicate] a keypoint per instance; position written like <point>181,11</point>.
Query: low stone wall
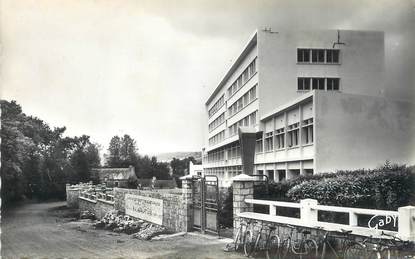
<point>102,207</point>
<point>174,209</point>
<point>73,192</point>
<point>86,204</point>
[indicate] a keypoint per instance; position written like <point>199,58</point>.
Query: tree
<point>179,166</point>
<point>122,152</point>
<point>114,150</point>
<point>37,160</point>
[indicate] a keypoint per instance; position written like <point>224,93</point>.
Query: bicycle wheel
<point>273,248</point>
<point>249,242</point>
<point>310,249</point>
<point>238,240</point>
<point>285,248</point>
<point>356,251</point>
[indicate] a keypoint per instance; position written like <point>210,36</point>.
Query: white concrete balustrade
<point>403,219</point>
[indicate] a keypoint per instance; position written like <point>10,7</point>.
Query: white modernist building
<point>316,103</point>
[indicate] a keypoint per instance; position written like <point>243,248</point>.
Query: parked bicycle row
<point>272,239</point>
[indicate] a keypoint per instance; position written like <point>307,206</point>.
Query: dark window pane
<point>321,55</point>
<point>336,56</point>
<point>329,56</point>
<point>300,83</point>
<point>329,83</point>
<point>306,83</point>
<point>336,83</point>
<point>314,54</point>
<point>321,83</point>
<point>315,83</point>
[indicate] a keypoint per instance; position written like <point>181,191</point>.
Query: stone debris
<point>119,223</point>
<point>150,231</point>
<point>86,214</point>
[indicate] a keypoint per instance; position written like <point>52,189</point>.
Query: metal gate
<point>205,204</point>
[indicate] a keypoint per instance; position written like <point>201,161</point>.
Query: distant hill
<point>167,157</point>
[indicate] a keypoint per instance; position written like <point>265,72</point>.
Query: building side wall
<point>355,131</point>
<point>360,70</point>
<point>250,56</point>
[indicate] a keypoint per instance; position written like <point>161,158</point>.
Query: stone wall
<point>175,214</point>
<point>86,204</point>
<point>102,207</point>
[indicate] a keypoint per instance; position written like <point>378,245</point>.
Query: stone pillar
<point>187,198</point>
<point>243,188</point>
<point>406,223</point>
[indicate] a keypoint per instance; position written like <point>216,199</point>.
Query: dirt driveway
<point>37,231</point>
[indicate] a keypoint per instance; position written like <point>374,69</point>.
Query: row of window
<point>231,152</point>
<point>243,78</point>
<point>217,138</point>
<point>249,120</point>
<point>218,121</point>
<point>318,83</point>
<point>219,171</point>
<point>327,56</point>
<point>216,156</point>
<point>281,175</point>
<point>246,99</point>
<point>217,106</point>
<point>234,151</point>
<point>275,140</point>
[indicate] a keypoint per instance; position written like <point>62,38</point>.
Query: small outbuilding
<point>114,177</point>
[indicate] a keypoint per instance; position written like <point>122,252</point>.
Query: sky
<point>146,68</point>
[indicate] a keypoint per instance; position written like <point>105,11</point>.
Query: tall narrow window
<point>279,138</point>
<point>252,119</point>
<point>292,135</point>
<point>307,131</point>
<point>252,93</point>
<point>258,146</point>
<point>269,144</point>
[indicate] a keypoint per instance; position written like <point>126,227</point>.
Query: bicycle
<point>346,242</point>
<point>240,236</point>
<point>302,247</point>
<point>387,248</point>
<point>262,241</point>
<point>273,250</point>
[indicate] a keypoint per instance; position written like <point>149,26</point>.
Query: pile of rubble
<point>86,214</point>
<point>125,224</point>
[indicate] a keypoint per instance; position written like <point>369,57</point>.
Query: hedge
<point>388,187</point>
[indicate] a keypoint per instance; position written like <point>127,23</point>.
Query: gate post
<point>406,223</point>
<point>243,188</point>
<point>186,214</point>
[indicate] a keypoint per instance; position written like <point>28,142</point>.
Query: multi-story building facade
<point>315,100</point>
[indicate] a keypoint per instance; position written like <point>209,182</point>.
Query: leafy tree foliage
<point>37,161</point>
<point>122,152</point>
<point>181,166</point>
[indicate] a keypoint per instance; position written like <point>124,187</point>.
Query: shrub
<point>388,187</point>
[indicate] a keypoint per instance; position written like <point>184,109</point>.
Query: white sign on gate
<point>145,208</point>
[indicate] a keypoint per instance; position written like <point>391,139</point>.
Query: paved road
<point>36,231</point>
